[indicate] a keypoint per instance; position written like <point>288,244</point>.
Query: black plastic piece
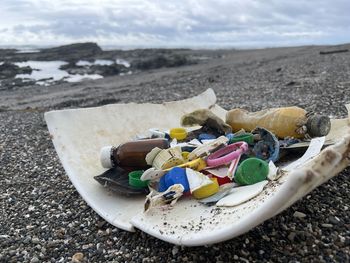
<point>117,180</point>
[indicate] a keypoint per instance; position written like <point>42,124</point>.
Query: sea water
<point>46,72</point>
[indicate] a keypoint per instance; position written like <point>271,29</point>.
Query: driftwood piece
<point>333,51</point>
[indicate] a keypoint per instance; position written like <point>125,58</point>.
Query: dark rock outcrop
<point>9,70</point>
<point>162,61</point>
<point>104,70</point>
<point>73,52</point>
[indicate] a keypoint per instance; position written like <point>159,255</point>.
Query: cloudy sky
<point>194,23</point>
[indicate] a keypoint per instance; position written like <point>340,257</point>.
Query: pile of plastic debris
<point>222,163</point>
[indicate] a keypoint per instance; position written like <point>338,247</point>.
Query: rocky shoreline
<point>83,59</point>
<point>43,218</point>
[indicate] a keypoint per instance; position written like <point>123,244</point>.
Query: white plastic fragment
<point>174,143</point>
<point>207,141</point>
<point>239,195</point>
<point>206,149</point>
<point>192,143</point>
<point>223,191</point>
<point>169,197</point>
<point>273,175</point>
<point>313,150</point>
<point>152,174</point>
<point>196,179</point>
<point>220,171</point>
<point>233,167</point>
<point>227,170</point>
<point>154,132</point>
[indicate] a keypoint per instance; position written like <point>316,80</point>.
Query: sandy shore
<point>43,218</point>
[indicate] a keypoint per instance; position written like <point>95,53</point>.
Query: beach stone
<point>77,257</point>
<point>34,260</point>
<point>291,236</point>
<point>298,214</point>
<point>35,240</point>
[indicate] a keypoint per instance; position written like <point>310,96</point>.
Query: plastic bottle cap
<point>207,190</point>
<point>106,156</point>
<point>175,176</point>
<point>318,125</point>
<point>135,181</point>
<point>251,171</point>
<point>152,155</point>
<point>178,133</point>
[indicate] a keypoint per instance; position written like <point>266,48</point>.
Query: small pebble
<point>175,250</point>
<point>291,236</point>
<point>298,214</point>
<point>35,240</point>
<point>34,260</point>
<point>77,257</point>
<point>334,220</point>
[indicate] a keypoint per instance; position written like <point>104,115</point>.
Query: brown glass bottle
<point>130,154</point>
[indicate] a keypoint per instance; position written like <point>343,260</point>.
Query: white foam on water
<point>84,63</point>
<point>123,62</point>
<point>101,62</point>
<point>46,72</point>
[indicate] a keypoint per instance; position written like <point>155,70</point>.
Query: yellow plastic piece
<point>178,133</point>
<point>171,163</point>
<point>185,155</point>
<point>207,190</point>
<point>197,164</point>
<point>282,122</point>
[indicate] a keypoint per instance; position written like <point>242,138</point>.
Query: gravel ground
<point>43,218</point>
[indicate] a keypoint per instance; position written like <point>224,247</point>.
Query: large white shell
<point>79,134</point>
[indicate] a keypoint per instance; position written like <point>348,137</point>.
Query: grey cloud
<point>235,22</point>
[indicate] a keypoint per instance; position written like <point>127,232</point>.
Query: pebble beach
<point>44,219</point>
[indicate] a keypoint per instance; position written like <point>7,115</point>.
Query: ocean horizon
<point>36,48</point>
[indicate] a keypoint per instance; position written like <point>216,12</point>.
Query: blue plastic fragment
<point>268,147</point>
<point>174,176</point>
<point>167,136</point>
<point>230,136</point>
<point>206,136</point>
